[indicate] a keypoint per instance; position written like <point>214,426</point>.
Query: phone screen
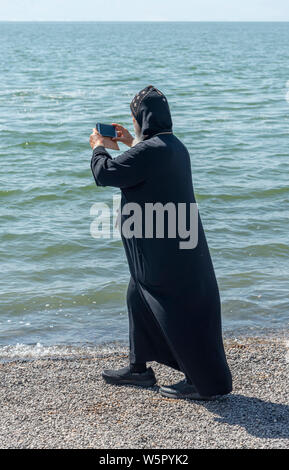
<point>106,130</point>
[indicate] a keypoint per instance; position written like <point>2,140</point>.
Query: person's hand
<point>123,135</point>
<point>96,139</point>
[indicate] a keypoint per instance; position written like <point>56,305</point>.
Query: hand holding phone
<point>123,135</point>
<point>107,132</point>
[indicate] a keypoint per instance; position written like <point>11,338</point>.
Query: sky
<point>144,10</point>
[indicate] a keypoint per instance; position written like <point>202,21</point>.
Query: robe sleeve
<point>126,170</point>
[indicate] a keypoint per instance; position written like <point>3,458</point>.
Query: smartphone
<point>106,130</point>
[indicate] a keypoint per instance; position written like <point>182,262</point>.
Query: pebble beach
<point>64,403</point>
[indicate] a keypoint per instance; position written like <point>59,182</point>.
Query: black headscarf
<point>151,111</point>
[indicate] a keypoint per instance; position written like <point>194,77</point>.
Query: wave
<point>54,144</point>
<point>39,351</point>
<point>58,191</point>
<point>247,194</point>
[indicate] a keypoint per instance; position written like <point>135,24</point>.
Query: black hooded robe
<point>173,296</point>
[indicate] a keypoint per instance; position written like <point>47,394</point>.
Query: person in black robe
<point>173,297</point>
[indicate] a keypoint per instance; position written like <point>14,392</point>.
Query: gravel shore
<point>64,403</point>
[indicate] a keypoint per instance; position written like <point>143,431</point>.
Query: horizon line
<point>144,21</point>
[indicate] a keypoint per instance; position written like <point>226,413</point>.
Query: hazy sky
<point>145,10</point>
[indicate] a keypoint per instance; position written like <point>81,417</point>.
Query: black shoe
<point>125,377</point>
<point>182,389</point>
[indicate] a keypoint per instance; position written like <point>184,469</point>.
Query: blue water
<point>227,85</point>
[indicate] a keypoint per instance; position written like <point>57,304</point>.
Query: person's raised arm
<point>127,170</point>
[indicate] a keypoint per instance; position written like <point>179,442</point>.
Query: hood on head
<point>151,111</point>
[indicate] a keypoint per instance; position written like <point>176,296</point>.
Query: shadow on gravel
<point>260,418</point>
